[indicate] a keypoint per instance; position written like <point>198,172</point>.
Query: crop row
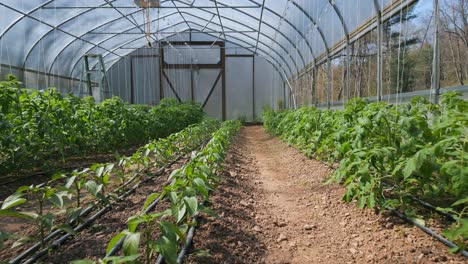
<point>67,191</point>
<point>38,126</point>
<point>186,193</point>
<point>390,153</point>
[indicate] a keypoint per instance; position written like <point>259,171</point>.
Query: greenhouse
<point>233,131</point>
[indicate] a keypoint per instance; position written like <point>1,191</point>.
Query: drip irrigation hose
<point>59,241</point>
<point>431,207</point>
<point>90,220</point>
<point>429,232</point>
<point>119,243</point>
<point>35,247</point>
<point>188,241</point>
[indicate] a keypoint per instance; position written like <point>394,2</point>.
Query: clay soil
<point>274,207</point>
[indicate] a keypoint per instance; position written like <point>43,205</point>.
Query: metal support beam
<point>379,55</point>
<point>348,72</point>
<point>314,86</point>
<point>88,75</point>
<point>436,57</point>
<point>212,89</point>
<point>329,82</point>
<point>171,86</point>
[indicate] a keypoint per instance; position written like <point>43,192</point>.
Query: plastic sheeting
<point>52,35</point>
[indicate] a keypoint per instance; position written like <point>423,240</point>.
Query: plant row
<point>164,232</point>
<point>390,153</point>
<point>41,125</point>
<point>67,191</point>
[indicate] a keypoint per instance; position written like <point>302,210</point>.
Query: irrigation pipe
<point>188,241</point>
<point>150,207</point>
<point>429,232</point>
<point>35,247</point>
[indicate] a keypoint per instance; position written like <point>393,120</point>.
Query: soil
<point>91,243</point>
<point>274,207</point>
<point>10,183</point>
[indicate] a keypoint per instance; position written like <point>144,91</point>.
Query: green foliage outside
<point>38,126</point>
<point>387,153</point>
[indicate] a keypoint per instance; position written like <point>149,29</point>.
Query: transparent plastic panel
<point>203,82</point>
<point>19,40</point>
<point>239,88</point>
<point>194,54</point>
<point>146,80</point>
<point>268,87</point>
<point>119,79</point>
<point>26,6</point>
<point>181,80</point>
<point>12,17</point>
<point>355,13</point>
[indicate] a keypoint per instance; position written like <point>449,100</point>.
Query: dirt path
<point>274,208</point>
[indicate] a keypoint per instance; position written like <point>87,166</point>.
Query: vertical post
<point>192,96</point>
<point>436,57</point>
<point>284,94</point>
<point>314,85</point>
<point>253,88</point>
<point>132,88</point>
<point>348,72</point>
<point>88,75</point>
<point>161,71</point>
<point>329,82</point>
<point>223,88</point>
<point>379,56</point>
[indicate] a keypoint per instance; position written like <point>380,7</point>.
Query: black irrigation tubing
<point>187,244</point>
<point>59,241</point>
<point>35,247</point>
<point>429,232</point>
<point>150,207</point>
<point>90,220</point>
<point>39,173</point>
<point>188,240</point>
<point>428,205</point>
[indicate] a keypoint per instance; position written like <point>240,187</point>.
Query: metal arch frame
<point>203,19</point>
<point>121,45</point>
<point>108,2</point>
<point>263,34</point>
<point>99,43</point>
<point>275,29</point>
<point>340,16</point>
<point>260,26</point>
<point>290,70</point>
<point>23,16</point>
<point>267,58</point>
<point>178,11</point>
<point>47,24</point>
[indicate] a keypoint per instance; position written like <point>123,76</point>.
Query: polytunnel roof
<point>51,36</point>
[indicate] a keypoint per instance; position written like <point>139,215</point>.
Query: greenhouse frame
<point>233,131</point>
<point>299,52</point>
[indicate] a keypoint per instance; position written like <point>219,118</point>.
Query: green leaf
<point>168,249</point>
<point>22,215</point>
<point>13,200</point>
<point>93,187</point>
<point>121,259</point>
<point>131,243</point>
<point>66,228</point>
<point>83,261</point>
<point>56,199</point>
<point>461,201</point>
<point>149,200</point>
<point>192,204</point>
<point>114,241</point>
